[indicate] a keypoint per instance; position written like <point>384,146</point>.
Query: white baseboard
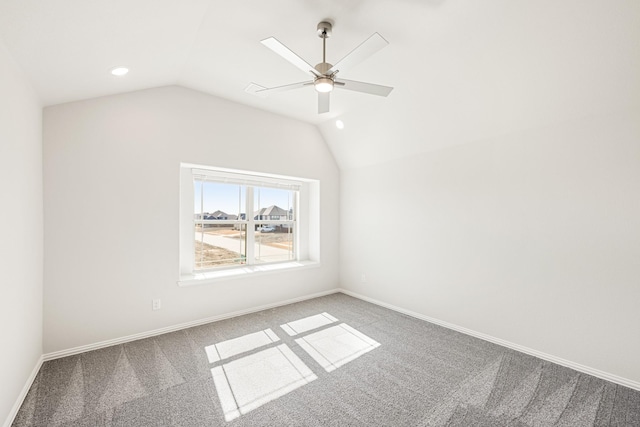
<point>155,332</point>
<point>569,364</point>
<point>23,393</point>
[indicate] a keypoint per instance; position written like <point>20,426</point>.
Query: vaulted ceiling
<point>463,70</point>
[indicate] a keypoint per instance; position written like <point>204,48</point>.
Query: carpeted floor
<point>330,361</point>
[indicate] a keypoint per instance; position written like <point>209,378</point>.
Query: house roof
<point>271,211</point>
<point>219,214</point>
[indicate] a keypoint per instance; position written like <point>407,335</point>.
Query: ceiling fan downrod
<point>324,83</point>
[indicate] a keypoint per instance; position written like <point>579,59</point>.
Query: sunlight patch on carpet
<point>248,383</point>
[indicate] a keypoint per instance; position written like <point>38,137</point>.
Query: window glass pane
<point>218,201</point>
<point>220,245</point>
<point>274,242</point>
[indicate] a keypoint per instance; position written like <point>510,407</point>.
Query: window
<point>243,221</point>
<point>225,235</point>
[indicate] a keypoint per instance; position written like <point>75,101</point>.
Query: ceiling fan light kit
<point>323,84</point>
<point>324,74</point>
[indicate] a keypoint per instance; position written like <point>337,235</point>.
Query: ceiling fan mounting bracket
<point>324,30</point>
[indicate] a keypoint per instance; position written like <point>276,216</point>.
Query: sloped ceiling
<point>463,70</point>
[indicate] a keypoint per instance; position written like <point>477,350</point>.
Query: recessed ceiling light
<point>119,71</point>
<point>339,124</point>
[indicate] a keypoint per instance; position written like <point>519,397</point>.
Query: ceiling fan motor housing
<point>323,67</point>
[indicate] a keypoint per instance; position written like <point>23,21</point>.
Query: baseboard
<point>81,349</point>
<point>23,393</point>
<point>569,364</point>
<point>155,332</point>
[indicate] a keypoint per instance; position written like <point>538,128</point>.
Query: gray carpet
<point>356,365</point>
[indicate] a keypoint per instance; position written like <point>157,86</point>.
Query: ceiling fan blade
<point>369,88</point>
<point>323,102</point>
<point>360,53</point>
<point>284,88</point>
<point>275,45</point>
<point>253,88</point>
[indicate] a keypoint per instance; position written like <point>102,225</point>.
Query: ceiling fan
<point>325,74</point>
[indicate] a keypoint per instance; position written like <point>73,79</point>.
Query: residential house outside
<point>217,215</point>
<point>274,213</point>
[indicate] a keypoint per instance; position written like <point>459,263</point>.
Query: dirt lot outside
<point>208,256</point>
<point>275,239</point>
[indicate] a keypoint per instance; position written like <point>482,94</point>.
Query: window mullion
<point>201,223</point>
<point>296,235</point>
<point>250,227</point>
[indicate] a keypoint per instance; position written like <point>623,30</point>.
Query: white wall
<point>111,170</point>
<point>533,238</point>
<point>20,231</point>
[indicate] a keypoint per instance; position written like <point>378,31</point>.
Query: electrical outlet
<point>363,278</point>
<point>156,304</point>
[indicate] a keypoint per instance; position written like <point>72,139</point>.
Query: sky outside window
<point>228,198</point>
<point>265,197</point>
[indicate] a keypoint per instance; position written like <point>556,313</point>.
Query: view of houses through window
<point>225,235</point>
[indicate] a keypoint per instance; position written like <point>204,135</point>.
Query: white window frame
<point>307,223</point>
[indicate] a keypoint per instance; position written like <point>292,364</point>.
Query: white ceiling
<point>463,70</point>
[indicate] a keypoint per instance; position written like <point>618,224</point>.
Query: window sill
<point>244,272</point>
